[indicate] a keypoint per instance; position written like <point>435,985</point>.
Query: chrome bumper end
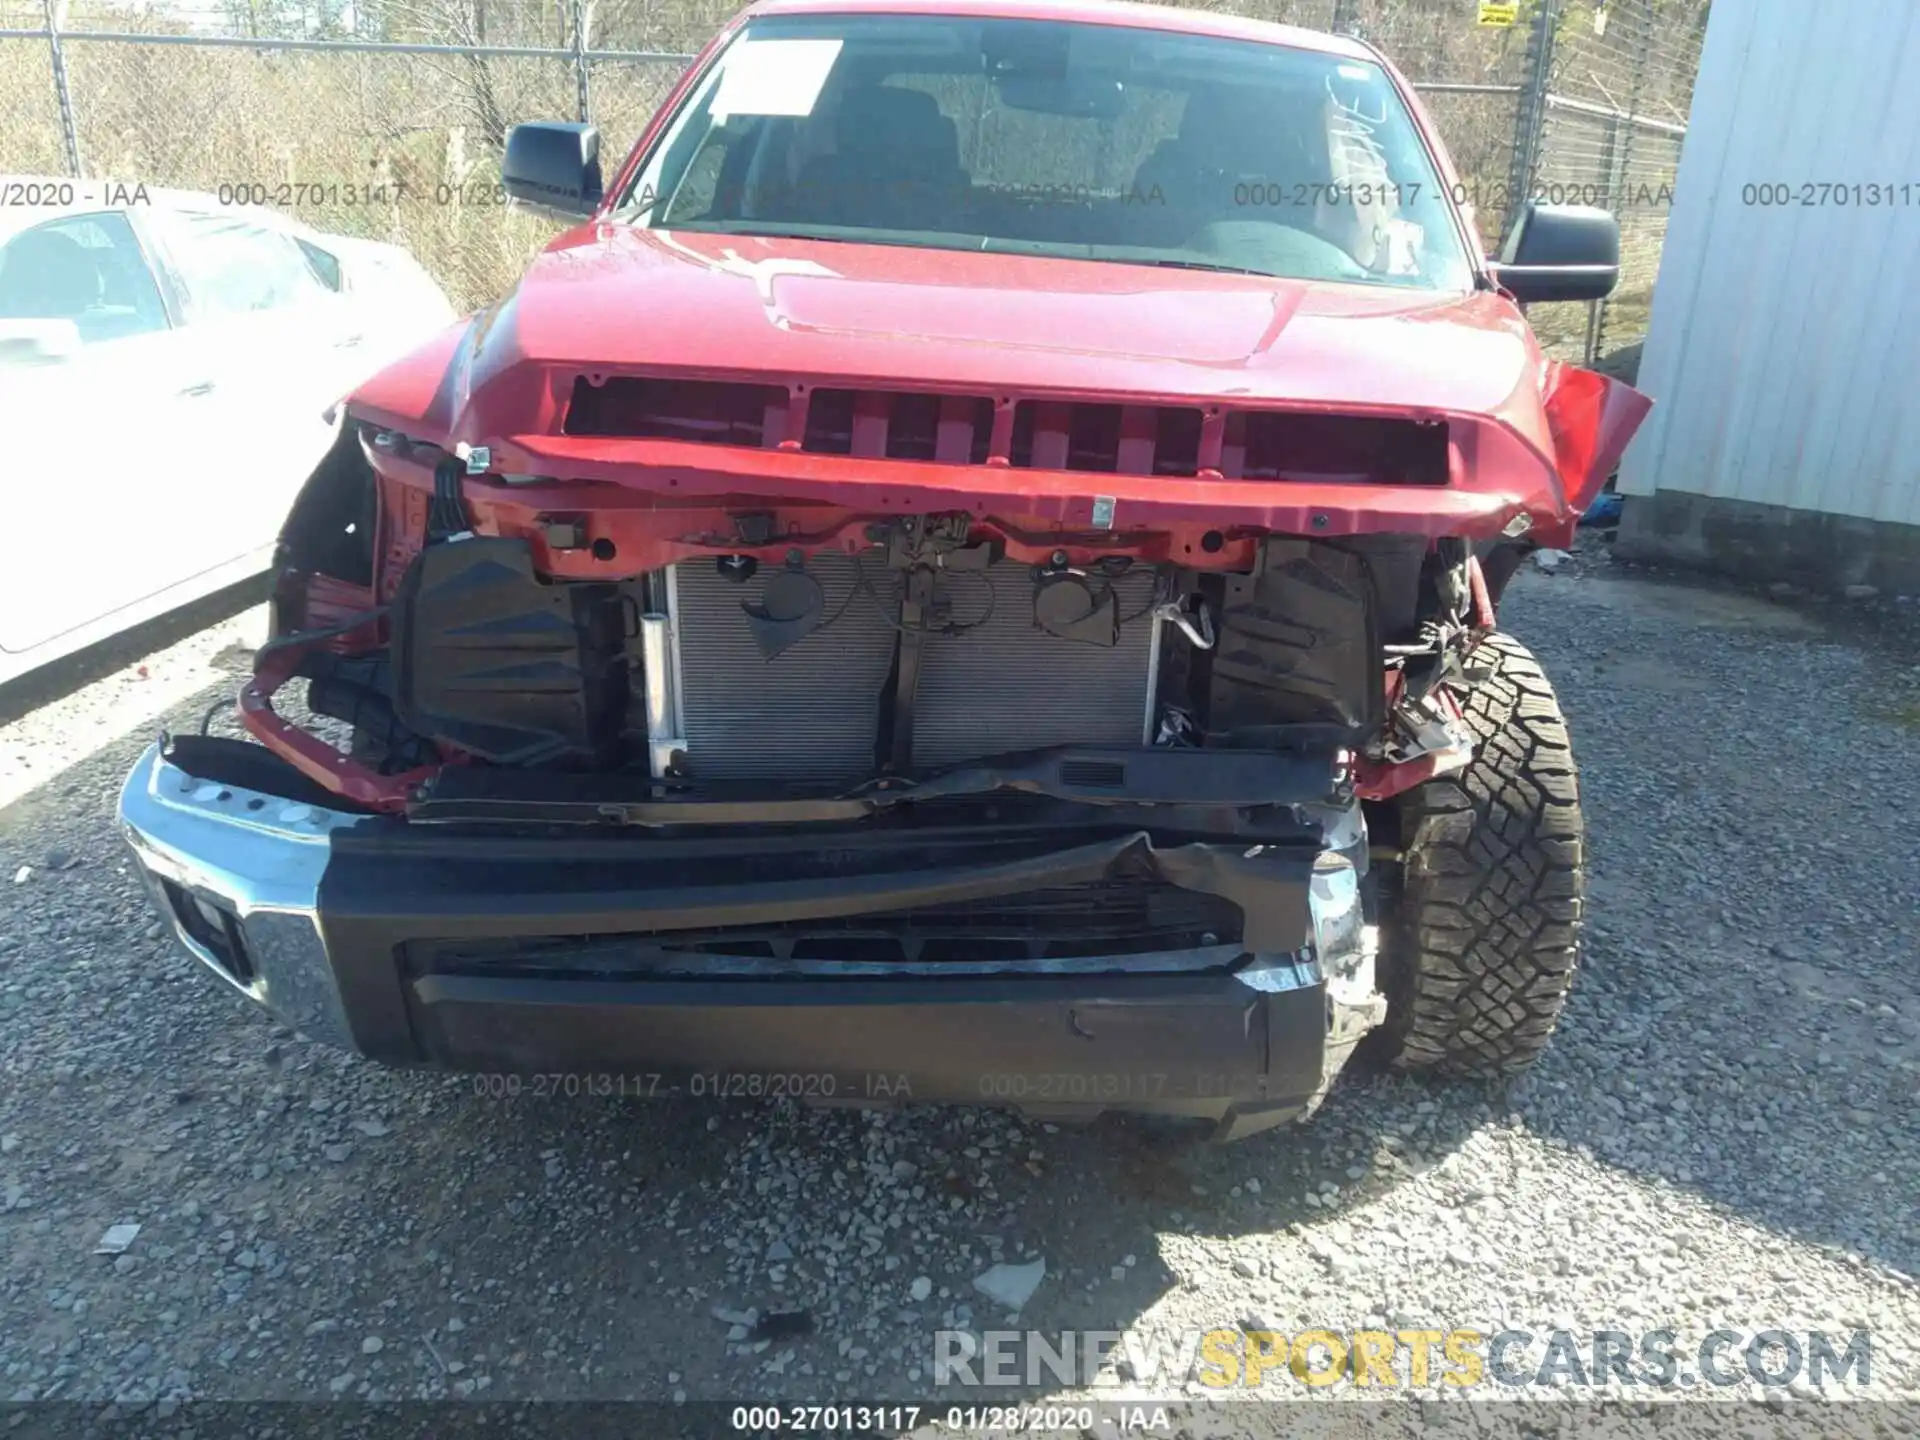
<point>236,876</point>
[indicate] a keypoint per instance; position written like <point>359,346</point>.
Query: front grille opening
<point>213,928</point>
<point>702,412</point>
<point>1335,449</point>
<point>911,424</point>
<point>1109,439</point>
<point>1020,447</point>
<point>1176,441</point>
<point>914,431</point>
<point>1093,438</point>
<point>830,423</point>
<point>1115,917</point>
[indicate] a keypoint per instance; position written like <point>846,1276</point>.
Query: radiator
<point>812,712</point>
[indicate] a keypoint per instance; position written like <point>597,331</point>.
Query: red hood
<point>872,311</point>
<point>610,297</point>
<point>620,296</point>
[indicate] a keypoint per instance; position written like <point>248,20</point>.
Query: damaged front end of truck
<point>702,755</point>
<point>900,637</point>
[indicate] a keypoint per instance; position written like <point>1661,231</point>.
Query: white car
<point>168,367</point>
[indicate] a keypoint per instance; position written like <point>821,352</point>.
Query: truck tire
<point>1480,944</point>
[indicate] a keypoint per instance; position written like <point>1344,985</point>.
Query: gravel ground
<point>1722,1135</point>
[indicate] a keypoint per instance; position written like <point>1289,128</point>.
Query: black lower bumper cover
<point>1207,1044</point>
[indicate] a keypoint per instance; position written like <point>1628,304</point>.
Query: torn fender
<point>1591,418</point>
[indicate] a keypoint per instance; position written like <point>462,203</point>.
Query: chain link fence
<point>1620,84</point>
<point>385,118</point>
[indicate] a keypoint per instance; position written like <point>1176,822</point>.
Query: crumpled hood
<point>628,297</point>
<point>1525,433</point>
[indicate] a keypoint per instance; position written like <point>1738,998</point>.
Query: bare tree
<point>470,77</point>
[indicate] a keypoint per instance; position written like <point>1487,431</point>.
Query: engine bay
<point>926,648</point>
<point>554,647</point>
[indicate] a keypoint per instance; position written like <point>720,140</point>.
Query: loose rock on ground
<point>1722,1134</point>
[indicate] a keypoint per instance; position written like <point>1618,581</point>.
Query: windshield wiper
<point>773,230</point>
<point>1218,269</point>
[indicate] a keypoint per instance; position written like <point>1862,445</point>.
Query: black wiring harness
<point>447,511</point>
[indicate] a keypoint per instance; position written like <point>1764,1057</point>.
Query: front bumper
<point>342,927</point>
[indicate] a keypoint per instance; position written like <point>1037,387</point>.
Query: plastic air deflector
<point>1297,651</point>
<point>490,659</point>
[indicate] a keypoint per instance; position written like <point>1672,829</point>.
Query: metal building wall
<point>1783,352</point>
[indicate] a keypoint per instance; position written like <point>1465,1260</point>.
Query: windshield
<point>1049,138</point>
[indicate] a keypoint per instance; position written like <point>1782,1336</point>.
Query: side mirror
<point>38,342</point>
<point>554,167</point>
<point>1560,252</point>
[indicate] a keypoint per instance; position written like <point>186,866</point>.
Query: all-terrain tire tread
<point>1486,938</point>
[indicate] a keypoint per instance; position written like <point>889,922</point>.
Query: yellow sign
<point>1499,12</point>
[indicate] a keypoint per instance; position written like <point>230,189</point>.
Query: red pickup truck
<point>969,574</point>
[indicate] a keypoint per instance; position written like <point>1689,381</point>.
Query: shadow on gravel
<point>560,1221</point>
<point>1745,1028</point>
<point>317,1226</point>
<point>553,1243</point>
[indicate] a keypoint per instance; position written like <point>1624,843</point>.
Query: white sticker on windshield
<point>1406,245</point>
<point>774,77</point>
